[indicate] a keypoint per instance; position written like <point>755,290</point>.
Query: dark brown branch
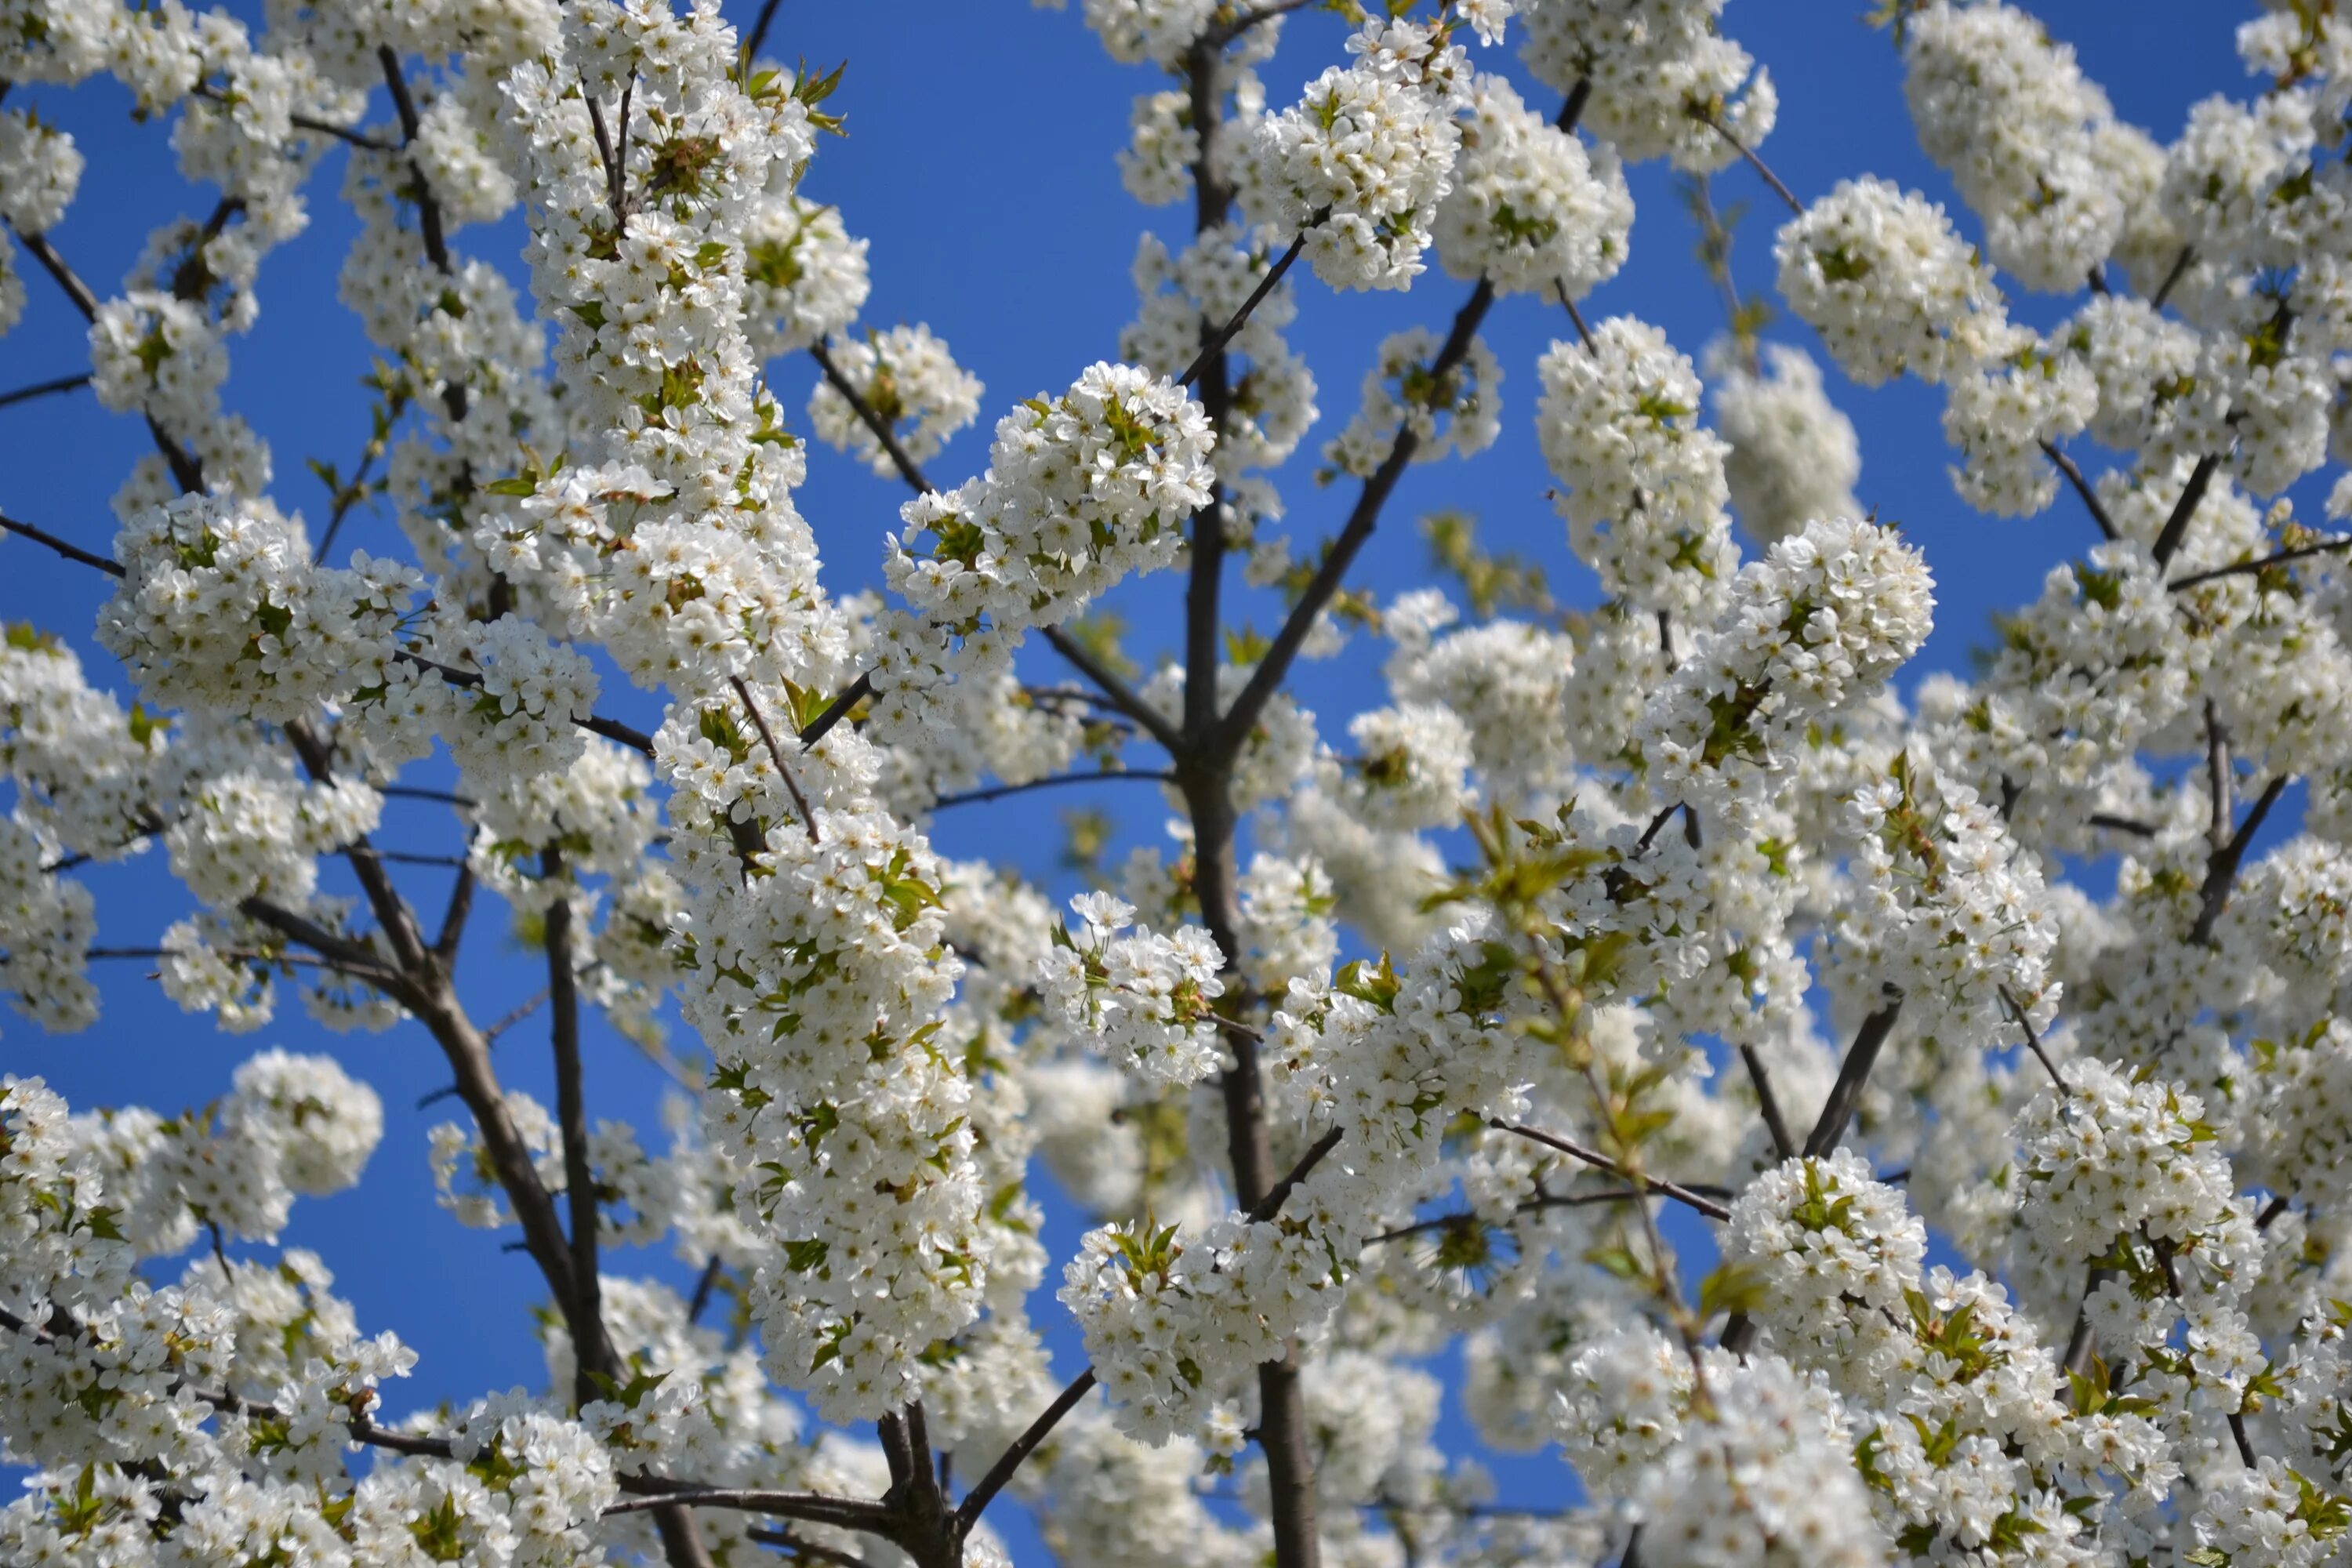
<point>1216,341</point>
<point>856,692</point>
<point>776,755</point>
<point>106,564</point>
<point>1759,165</point>
<point>2172,278</point>
<point>1600,1161</point>
<point>758,34</point>
<point>998,792</point>
<point>975,1501</point>
<point>2176,527</point>
<point>802,1549</point>
<point>1266,1207</point>
<point>1121,696</point>
<point>45,388</point>
<point>2222,866</point>
<point>2248,568</point>
<point>611,728</point>
<point>2124,825</point>
<point>428,210</point>
<point>1783,1146</point>
<point>38,245</point>
<point>1218,37</point>
<point>1225,740</point>
<point>571,1119</point>
<point>1853,1074</point>
<point>814,1508</point>
<point>2091,502</point>
<point>871,417</point>
<point>343,133</point>
<point>703,1287</point>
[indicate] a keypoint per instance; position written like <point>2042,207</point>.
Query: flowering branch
<point>1600,1161</point>
<point>871,417</point>
<point>2252,568</point>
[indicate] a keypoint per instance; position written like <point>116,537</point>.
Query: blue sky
<point>979,162</point>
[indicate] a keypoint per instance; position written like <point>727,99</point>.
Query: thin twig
<point>1054,781</point>
<point>2248,568</point>
<point>1123,697</point>
<point>1266,1207</point>
<point>2222,866</point>
<point>1217,340</point>
<point>1759,165</point>
<point>975,1501</point>
<point>856,692</point>
<point>105,563</point>
<point>2179,271</point>
<point>1853,1074</point>
<point>1600,1161</point>
<point>1783,1144</point>
<point>776,754</point>
<point>2091,502</point>
<point>871,417</point>
<point>44,388</point>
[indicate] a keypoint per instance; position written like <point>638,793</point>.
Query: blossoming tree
<point>1624,998</point>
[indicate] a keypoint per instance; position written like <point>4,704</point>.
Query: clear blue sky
<point>980,163</point>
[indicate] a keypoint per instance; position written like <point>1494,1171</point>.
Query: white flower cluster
<point>2003,418</point>
<point>221,607</point>
<point>1148,1001</point>
<point>1411,768</point>
<point>1972,1441</point>
<point>1359,165</point>
<point>1815,627</point>
<point>1403,391</point>
<point>843,1112</point>
<point>1945,906</point>
<point>1879,273</point>
<point>1081,491</point>
<point>805,279</point>
<point>46,926</point>
<point>1532,208</point>
<point>910,381</point>
<point>1794,455</point>
<point>1619,425</point>
<point>1663,75</point>
<point>522,722</point>
<point>2123,1168</point>
<point>2003,108</point>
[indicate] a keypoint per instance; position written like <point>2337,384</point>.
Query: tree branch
<point>2091,502</point>
<point>975,1501</point>
<point>2222,866</point>
<point>1783,1146</point>
<point>106,564</point>
<point>1226,738</point>
<point>776,754</point>
<point>1853,1074</point>
<point>1215,344</point>
<point>2249,568</point>
<point>571,1118</point>
<point>1121,696</point>
<point>44,388</point>
<point>2176,527</point>
<point>871,417</point>
<point>1600,1161</point>
<point>856,692</point>
<point>998,792</point>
